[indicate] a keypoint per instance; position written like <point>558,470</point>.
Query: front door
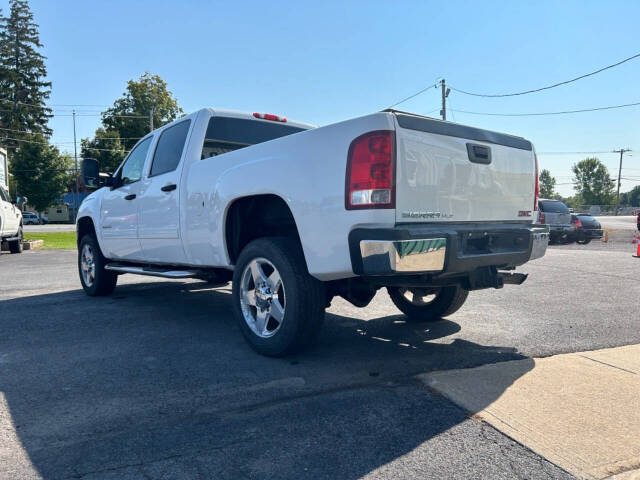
<point>159,229</point>
<point>120,207</point>
<point>9,216</point>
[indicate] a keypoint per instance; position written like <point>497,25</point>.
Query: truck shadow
<point>157,381</point>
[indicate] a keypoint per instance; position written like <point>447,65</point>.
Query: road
<point>156,381</point>
<point>626,222</point>
<point>58,227</point>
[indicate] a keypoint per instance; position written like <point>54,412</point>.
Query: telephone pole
<point>151,119</point>
<point>445,94</point>
<point>75,154</point>
<point>621,152</point>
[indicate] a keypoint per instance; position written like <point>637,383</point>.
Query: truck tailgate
<point>447,172</point>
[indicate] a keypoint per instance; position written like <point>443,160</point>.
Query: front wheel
<point>96,281</point>
<point>15,246</point>
<point>428,304</point>
<point>278,305</point>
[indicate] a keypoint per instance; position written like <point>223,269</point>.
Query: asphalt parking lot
<point>156,381</point>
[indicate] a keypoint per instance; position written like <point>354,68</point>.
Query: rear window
<point>553,206</point>
<point>589,218</point>
<point>226,134</point>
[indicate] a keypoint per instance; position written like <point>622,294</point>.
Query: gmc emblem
<point>524,213</point>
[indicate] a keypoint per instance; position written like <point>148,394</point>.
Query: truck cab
<point>10,222</point>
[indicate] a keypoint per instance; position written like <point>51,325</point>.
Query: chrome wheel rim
<point>262,297</point>
<point>87,265</point>
<point>420,296</point>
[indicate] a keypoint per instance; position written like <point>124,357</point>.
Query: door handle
<point>170,187</point>
<point>131,196</point>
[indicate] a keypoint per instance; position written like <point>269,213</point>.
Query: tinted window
<point>3,195</point>
<point>226,134</point>
<point>553,207</point>
<point>588,218</point>
<point>132,168</point>
<point>169,148</point>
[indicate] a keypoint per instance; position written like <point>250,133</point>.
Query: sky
<point>323,62</point>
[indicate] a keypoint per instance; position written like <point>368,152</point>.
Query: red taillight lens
<point>370,171</point>
<point>578,223</point>
<point>541,218</point>
<point>537,193</point>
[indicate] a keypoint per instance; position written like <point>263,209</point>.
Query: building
<point>65,209</point>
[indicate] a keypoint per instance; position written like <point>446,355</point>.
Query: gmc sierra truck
<point>295,215</point>
<point>10,222</point>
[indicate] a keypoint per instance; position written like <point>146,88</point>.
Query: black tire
<point>583,241</point>
<point>15,246</point>
<point>447,301</point>
<point>304,298</point>
<point>104,281</point>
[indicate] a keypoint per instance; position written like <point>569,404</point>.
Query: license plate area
<point>480,242</point>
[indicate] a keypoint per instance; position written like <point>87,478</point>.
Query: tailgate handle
<point>479,153</point>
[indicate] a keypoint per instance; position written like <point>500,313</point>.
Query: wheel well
<point>84,227</point>
<point>254,217</point>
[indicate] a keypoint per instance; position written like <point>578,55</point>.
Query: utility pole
<point>621,152</point>
<point>445,94</point>
<point>75,154</point>
<point>151,119</point>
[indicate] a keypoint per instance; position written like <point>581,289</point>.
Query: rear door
<point>555,212</point>
<point>10,215</point>
<point>452,173</point>
<point>159,229</point>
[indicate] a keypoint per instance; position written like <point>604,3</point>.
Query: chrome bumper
<point>380,257</point>
<point>540,243</point>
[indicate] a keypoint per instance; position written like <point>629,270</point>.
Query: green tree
<point>632,197</point>
<point>593,182</point>
<point>106,147</point>
<point>129,116</point>
<point>41,172</point>
<point>23,86</point>
<point>547,184</point>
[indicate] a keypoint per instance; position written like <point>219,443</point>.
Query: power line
<point>54,144</point>
<point>537,114</point>
<point>548,86</point>
<point>435,85</point>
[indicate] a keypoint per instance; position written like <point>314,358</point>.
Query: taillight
<point>541,218</point>
<point>578,223</point>
<point>270,116</point>
<point>537,193</point>
<point>370,171</point>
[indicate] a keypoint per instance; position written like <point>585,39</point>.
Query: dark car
<point>556,214</point>
<point>587,228</point>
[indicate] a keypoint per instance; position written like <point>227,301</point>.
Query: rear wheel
<point>15,246</point>
<point>277,304</point>
<point>96,281</point>
<point>584,241</point>
<point>428,304</point>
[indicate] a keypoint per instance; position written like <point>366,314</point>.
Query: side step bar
<point>152,271</point>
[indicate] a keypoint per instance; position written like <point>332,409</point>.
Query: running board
<point>151,271</point>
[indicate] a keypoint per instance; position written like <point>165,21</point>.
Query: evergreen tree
<point>23,86</point>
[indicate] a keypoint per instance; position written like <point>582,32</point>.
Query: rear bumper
<point>561,231</point>
<point>583,233</point>
<point>445,249</point>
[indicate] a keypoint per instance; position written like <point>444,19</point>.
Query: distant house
<point>65,209</point>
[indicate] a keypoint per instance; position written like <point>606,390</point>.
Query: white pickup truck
<point>296,215</point>
<point>10,222</point>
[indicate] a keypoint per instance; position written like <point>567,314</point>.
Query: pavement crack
<point>607,364</point>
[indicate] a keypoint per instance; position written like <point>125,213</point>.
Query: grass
<point>54,240</point>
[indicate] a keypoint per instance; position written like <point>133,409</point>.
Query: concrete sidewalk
<point>581,410</point>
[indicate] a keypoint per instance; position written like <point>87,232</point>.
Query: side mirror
<point>106,180</point>
<point>90,173</point>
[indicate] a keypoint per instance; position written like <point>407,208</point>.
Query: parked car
<point>556,214</point>
<point>297,215</point>
<point>587,228</point>
<point>10,222</point>
<point>30,218</point>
